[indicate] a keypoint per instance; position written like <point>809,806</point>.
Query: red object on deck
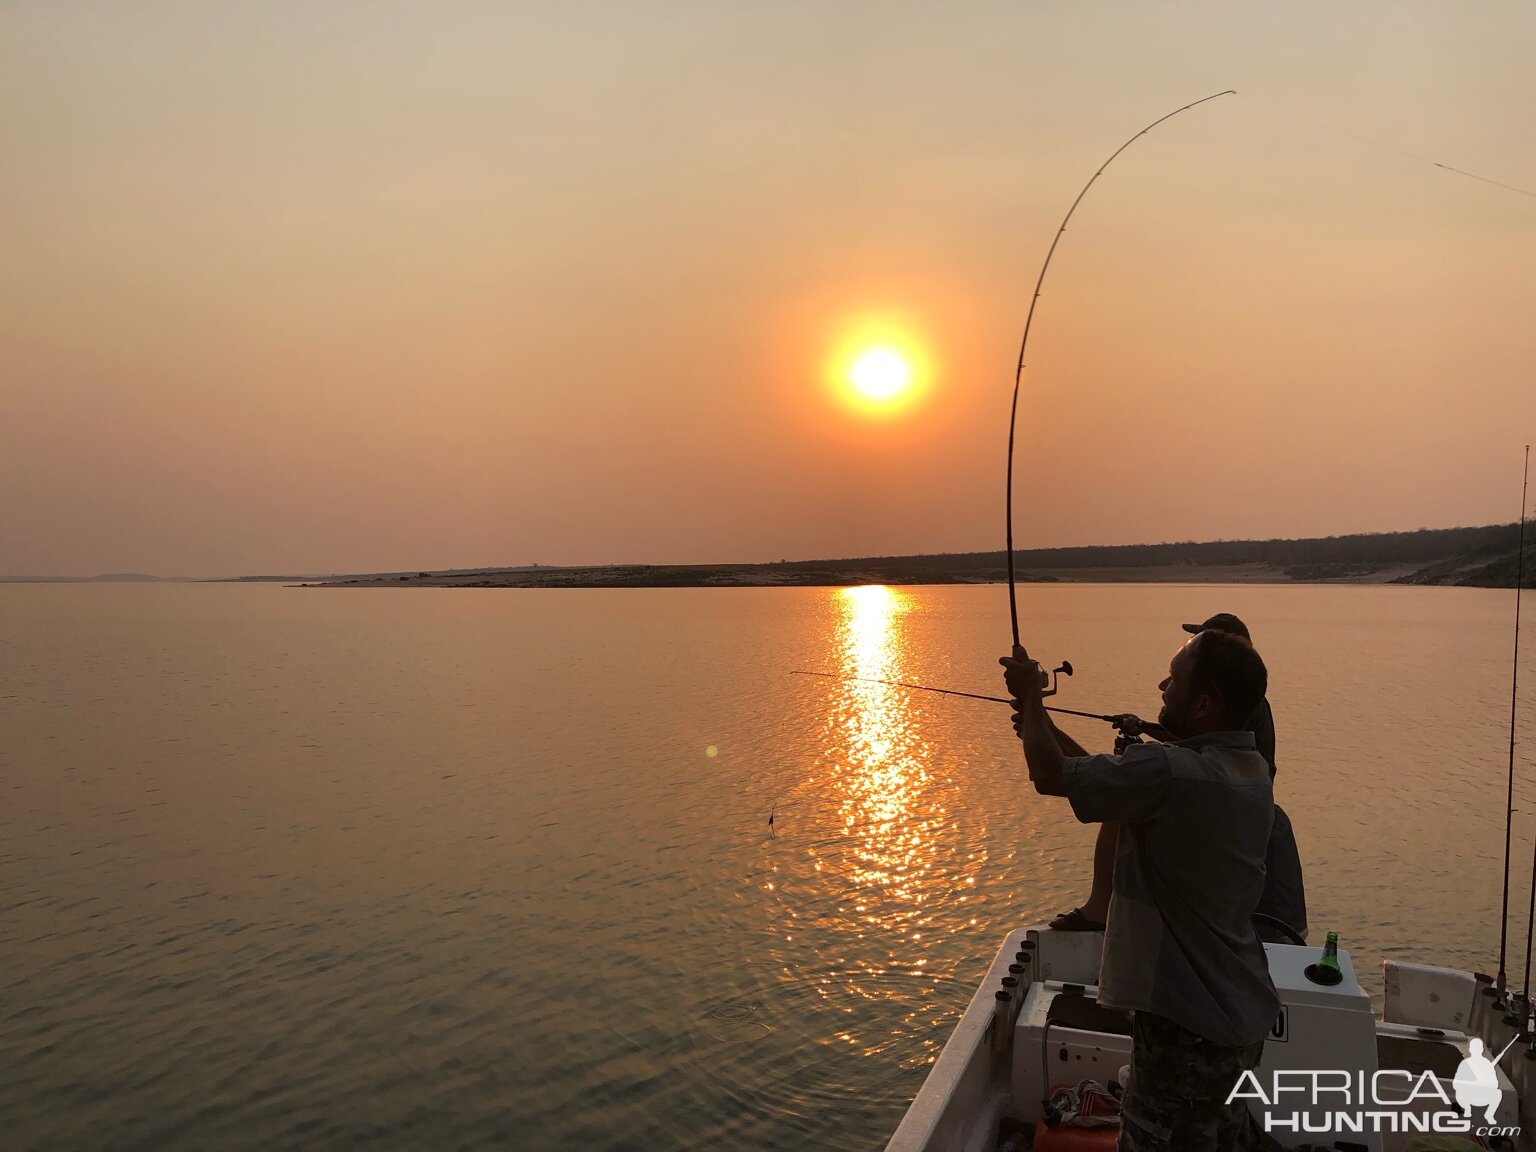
<point>1066,1138</point>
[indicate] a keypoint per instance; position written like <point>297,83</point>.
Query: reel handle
<point>1050,681</point>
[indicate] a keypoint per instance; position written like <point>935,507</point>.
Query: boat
<point>1333,1076</point>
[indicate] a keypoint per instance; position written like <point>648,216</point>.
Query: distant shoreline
<point>835,576</point>
<point>1482,557</point>
<point>1479,557</point>
<point>825,575</point>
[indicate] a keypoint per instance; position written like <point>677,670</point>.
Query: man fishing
<point>1284,898</point>
<point>1180,950</point>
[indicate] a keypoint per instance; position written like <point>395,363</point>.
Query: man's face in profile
<point>1179,701</point>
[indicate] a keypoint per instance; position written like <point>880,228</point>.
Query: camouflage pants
<point>1176,1101</point>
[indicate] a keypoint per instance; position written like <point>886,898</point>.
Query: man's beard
<point>1170,719</point>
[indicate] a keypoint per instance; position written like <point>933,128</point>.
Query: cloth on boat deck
<point>1177,1098</point>
<point>1189,871</point>
<point>1088,1104</point>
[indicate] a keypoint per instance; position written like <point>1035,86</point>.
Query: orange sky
<point>343,287</point>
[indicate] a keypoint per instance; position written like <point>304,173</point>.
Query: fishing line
<point>1018,375</point>
<point>1393,148</point>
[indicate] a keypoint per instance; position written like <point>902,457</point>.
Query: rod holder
<point>1002,1035</point>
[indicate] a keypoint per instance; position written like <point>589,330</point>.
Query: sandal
<point>1076,921</point>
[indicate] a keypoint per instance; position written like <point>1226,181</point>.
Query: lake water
<point>489,869</point>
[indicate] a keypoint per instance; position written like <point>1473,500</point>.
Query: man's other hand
<point>1023,676</point>
<point>1042,753</point>
<point>1018,719</point>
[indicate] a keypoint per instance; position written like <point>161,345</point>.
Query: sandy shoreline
<point>837,575</point>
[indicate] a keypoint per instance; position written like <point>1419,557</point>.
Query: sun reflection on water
<point>880,765</point>
<point>872,874</point>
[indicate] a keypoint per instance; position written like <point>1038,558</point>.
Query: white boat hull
<point>997,1063</point>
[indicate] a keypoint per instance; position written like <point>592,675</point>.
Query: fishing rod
<point>1509,812</point>
<point>1018,375</point>
<point>1124,722</point>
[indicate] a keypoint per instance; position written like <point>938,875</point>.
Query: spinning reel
<point>1049,681</point>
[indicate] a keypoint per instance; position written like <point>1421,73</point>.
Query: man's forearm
<point>1042,749</point>
<point>1068,746</point>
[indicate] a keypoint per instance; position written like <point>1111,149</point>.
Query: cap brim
<point>1193,628</point>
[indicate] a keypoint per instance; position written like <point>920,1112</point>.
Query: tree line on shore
<point>1486,556</point>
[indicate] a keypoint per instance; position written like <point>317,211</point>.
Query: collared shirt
<point>1195,822</point>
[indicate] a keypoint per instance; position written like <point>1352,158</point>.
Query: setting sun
<point>880,374</point>
<point>879,366</point>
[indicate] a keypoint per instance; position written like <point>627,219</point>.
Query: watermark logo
<point>1328,1101</point>
<point>1477,1082</point>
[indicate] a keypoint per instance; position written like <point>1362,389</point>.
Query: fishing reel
<point>1129,730</point>
<point>1049,680</point>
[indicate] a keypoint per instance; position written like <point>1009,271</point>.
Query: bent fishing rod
<point>1048,681</point>
<point>1018,375</point>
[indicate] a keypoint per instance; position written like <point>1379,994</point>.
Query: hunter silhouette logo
<point>1477,1081</point>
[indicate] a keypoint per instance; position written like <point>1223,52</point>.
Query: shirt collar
<point>1219,740</point>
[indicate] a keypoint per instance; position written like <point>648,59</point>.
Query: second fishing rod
<point>1129,727</point>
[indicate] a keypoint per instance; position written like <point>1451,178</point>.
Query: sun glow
<point>879,367</point>
<point>880,374</point>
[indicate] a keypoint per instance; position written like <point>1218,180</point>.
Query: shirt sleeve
<point>1285,894</point>
<point>1262,725</point>
<point>1130,787</point>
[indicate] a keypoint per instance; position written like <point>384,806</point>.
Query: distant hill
<point>1482,557</point>
<point>105,578</point>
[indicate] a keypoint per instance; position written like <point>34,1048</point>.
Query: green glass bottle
<point>1327,970</point>
<point>1331,953</point>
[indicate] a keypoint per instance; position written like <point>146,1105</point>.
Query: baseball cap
<point>1222,622</point>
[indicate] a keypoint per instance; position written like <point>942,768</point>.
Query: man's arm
<point>1042,749</point>
<point>1104,788</point>
<point>1068,746</point>
<point>1262,725</point>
